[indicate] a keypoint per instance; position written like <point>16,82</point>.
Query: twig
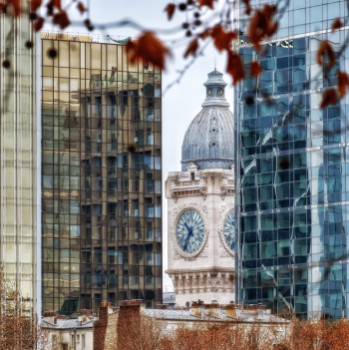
<point>185,69</point>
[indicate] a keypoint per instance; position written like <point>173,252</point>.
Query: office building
<point>19,166</point>
<point>293,170</point>
<point>101,175</point>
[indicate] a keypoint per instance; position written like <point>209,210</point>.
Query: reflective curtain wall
<point>101,176</point>
<point>301,16</point>
<point>293,176</point>
<point>18,167</point>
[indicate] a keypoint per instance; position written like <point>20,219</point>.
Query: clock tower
<point>201,222</point>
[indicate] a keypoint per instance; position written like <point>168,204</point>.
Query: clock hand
<point>186,242</point>
<point>188,236</point>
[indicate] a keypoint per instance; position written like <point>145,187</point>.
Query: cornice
<point>212,270</point>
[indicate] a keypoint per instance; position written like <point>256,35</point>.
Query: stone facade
<point>105,329</point>
<point>208,274</point>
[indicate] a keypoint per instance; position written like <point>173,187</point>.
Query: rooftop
<point>69,323</point>
<point>214,315</point>
<point>83,37</point>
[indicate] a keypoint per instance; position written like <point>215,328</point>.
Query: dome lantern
<point>215,86</point>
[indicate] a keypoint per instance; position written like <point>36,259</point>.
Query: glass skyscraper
<point>101,175</point>
<point>293,167</point>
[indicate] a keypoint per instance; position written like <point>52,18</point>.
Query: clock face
<point>190,231</point>
<point>229,230</point>
<point>210,92</point>
<point>220,92</point>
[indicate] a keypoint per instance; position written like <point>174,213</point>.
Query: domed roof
<point>209,140</point>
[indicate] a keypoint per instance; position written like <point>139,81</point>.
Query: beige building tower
<point>201,223</point>
<point>18,156</point>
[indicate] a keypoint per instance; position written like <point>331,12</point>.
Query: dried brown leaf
<point>55,3</point>
<point>248,6</point>
<point>192,48</point>
<point>38,24</point>
<point>337,23</point>
<point>255,69</point>
<point>61,18</point>
<point>16,7</point>
<point>208,3</point>
<point>149,49</point>
<point>326,49</point>
<point>206,33</point>
<point>329,97</point>
<point>35,4</point>
<point>235,67</point>
<point>81,7</point>
<point>170,10</point>
<point>343,83</point>
<point>262,25</point>
<point>221,38</point>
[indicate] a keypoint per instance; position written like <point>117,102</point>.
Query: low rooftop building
<point>133,323</point>
<point>125,327</point>
<point>66,333</point>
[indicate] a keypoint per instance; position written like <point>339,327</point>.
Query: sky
<point>182,101</point>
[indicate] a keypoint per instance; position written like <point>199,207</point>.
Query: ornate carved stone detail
<point>195,283</point>
<point>223,253</point>
<point>202,275</point>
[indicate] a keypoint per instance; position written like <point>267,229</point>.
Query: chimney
<point>130,303</point>
<point>261,310</point>
<point>231,310</point>
<point>103,313</point>
<point>128,325</point>
<point>196,309</point>
<point>135,304</point>
<point>50,313</point>
<point>213,309</point>
<point>83,319</point>
<point>100,327</point>
<point>50,316</point>
<point>86,312</point>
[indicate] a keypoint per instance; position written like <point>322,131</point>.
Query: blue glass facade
<point>293,171</point>
<point>302,16</point>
